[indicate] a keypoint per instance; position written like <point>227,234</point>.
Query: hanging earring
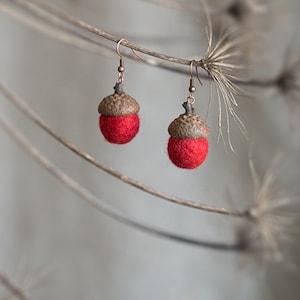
<point>187,145</point>
<point>119,121</point>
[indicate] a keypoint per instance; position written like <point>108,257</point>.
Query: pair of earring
<point>119,123</point>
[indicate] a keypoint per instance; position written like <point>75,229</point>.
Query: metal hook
<point>121,68</point>
<point>192,88</point>
<point>191,67</point>
<point>133,51</point>
<point>118,47</point>
<point>198,75</point>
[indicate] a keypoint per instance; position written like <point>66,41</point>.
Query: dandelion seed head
<point>218,63</point>
<point>273,218</point>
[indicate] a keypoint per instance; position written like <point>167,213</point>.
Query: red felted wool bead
<point>119,121</point>
<point>187,145</point>
<point>119,129</point>
<point>187,153</point>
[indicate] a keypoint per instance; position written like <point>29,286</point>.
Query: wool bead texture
<point>187,145</point>
<point>119,129</point>
<point>119,121</point>
<point>187,153</point>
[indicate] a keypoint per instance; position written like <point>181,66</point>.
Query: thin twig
<point>22,106</point>
<point>101,206</point>
<point>56,28</point>
<point>35,6</point>
<point>57,32</point>
<point>16,291</point>
<point>79,28</point>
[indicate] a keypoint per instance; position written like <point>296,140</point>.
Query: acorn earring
<point>187,145</point>
<point>119,121</point>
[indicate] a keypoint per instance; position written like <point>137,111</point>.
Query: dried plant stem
<point>56,28</point>
<point>35,6</point>
<point>100,205</point>
<point>21,105</point>
<point>71,26</point>
<point>16,291</point>
<point>64,35</point>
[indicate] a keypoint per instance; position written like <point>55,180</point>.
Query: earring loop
<point>133,51</point>
<point>118,47</point>
<point>192,88</point>
<point>191,68</point>
<point>121,68</point>
<point>198,75</point>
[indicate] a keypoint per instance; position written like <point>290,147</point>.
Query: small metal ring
<point>120,77</point>
<point>191,67</point>
<point>190,99</point>
<point>118,46</point>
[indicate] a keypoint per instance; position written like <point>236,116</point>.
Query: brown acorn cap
<point>188,125</point>
<point>118,104</point>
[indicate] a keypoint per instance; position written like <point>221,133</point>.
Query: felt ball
<point>187,153</point>
<point>119,129</point>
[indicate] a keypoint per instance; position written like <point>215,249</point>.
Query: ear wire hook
<point>118,48</point>
<point>192,88</point>
<point>198,74</point>
<point>133,51</point>
<point>192,64</point>
<point>121,68</point>
<point>191,68</point>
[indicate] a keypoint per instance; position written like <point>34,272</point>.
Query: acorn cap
<point>188,125</point>
<point>118,104</point>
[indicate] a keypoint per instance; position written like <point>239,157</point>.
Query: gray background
<point>44,227</point>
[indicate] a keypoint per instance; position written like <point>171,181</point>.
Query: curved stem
<point>15,291</point>
<point>100,205</point>
<point>22,106</point>
<point>35,5</point>
<point>79,28</point>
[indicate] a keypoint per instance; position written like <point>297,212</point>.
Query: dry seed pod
<point>187,145</point>
<point>119,121</point>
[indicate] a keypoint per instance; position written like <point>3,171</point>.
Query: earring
<point>187,145</point>
<point>119,121</point>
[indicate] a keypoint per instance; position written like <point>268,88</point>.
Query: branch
<point>70,25</point>
<point>100,205</point>
<point>37,7</point>
<point>23,107</point>
<point>16,291</point>
<point>57,32</point>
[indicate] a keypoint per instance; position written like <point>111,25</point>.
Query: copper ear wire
<point>192,88</point>
<point>121,68</point>
<point>133,51</point>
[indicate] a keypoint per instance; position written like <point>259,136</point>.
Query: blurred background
<point>56,246</point>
